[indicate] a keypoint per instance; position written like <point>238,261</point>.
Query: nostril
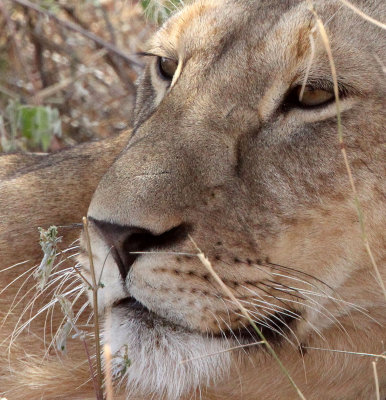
<point>125,240</point>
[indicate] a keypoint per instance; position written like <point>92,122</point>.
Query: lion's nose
<point>127,242</point>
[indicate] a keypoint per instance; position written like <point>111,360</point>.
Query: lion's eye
<point>314,97</point>
<point>166,67</point>
<point>311,97</point>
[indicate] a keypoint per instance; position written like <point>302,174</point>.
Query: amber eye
<point>311,97</point>
<point>166,67</point>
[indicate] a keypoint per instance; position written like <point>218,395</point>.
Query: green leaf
<point>37,124</point>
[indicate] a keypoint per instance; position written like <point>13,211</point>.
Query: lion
<point>234,164</point>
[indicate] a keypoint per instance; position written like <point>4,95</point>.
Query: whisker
<point>301,281</point>
<point>14,266</point>
<point>103,266</point>
<point>220,352</point>
<point>54,336</point>
<point>272,307</point>
<point>16,279</point>
<point>278,299</point>
<point>298,295</point>
<point>296,315</point>
<point>262,320</point>
<point>278,266</point>
<point>347,352</point>
<point>333,318</point>
<point>58,291</point>
<point>20,329</point>
<point>13,305</point>
<point>178,253</point>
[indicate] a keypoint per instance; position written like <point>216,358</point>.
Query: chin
<point>156,359</point>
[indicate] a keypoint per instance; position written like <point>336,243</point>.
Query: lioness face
<point>226,156</point>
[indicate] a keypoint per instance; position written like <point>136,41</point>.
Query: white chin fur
<point>156,351</point>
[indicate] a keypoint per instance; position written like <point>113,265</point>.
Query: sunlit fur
<point>260,185</point>
<point>155,353</point>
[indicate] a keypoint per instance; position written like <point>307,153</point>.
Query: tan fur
<point>263,191</point>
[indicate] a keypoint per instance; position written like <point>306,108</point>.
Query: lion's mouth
<point>127,244</point>
<point>275,328</point>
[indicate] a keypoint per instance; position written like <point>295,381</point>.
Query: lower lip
<point>245,334</point>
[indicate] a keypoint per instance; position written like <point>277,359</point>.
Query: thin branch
<point>76,28</point>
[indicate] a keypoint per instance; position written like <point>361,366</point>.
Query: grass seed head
<point>48,242</point>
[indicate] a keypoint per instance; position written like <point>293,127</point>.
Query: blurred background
<point>67,68</point>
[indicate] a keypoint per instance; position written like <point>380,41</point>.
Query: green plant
<point>34,124</point>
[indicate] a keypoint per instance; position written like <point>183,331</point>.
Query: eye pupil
<point>167,67</point>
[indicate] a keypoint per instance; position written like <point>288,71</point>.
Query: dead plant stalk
<point>377,391</point>
<point>94,289</point>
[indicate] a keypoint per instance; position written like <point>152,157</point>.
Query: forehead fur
<point>279,30</point>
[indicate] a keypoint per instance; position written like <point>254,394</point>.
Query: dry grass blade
<point>312,56</point>
<point>377,391</point>
<point>96,316</point>
<point>245,313</point>
<point>108,359</point>
<point>108,374</point>
<point>362,14</point>
<point>326,43</point>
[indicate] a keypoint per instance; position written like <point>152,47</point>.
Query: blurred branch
<point>8,92</point>
<point>51,90</point>
<point>112,61</point>
<point>38,50</point>
<point>76,28</point>
<point>54,47</point>
<point>12,33</point>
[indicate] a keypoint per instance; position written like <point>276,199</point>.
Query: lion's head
<point>231,152</point>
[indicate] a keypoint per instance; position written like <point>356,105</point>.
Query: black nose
<point>126,240</point>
